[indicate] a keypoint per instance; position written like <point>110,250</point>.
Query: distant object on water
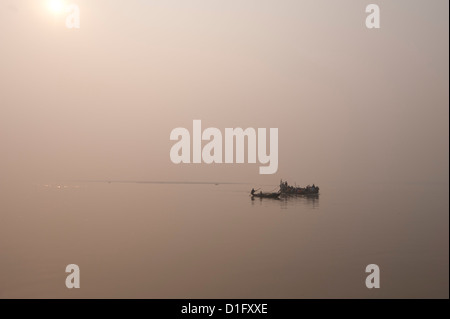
<point>285,188</point>
<point>253,193</point>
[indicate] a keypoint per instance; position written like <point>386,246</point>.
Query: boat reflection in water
<point>310,200</point>
<point>285,201</point>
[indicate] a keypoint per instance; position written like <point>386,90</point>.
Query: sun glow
<point>56,6</point>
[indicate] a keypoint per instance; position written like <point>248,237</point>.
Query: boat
<point>287,189</point>
<point>266,195</point>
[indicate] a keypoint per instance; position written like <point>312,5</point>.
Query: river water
<point>169,240</point>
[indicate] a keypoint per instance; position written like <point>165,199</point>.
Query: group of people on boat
<point>289,189</point>
<point>312,188</point>
<point>285,188</point>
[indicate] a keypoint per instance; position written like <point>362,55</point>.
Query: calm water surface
<point>212,241</point>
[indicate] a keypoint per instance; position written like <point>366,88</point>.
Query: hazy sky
<point>351,104</point>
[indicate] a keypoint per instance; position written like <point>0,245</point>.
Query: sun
<point>56,6</point>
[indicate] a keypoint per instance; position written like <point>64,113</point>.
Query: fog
<point>353,106</point>
<point>99,102</point>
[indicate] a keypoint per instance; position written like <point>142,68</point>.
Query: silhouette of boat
<point>285,188</point>
<point>266,195</point>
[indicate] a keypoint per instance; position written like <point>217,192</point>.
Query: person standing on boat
<point>253,191</point>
